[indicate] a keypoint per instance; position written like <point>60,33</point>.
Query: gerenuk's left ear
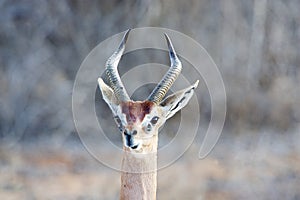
<point>178,100</point>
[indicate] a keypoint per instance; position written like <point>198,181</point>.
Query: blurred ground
<point>255,44</point>
<point>243,167</point>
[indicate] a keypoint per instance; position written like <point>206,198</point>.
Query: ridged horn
<point>112,73</point>
<point>169,78</point>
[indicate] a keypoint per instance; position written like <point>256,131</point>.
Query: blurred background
<point>255,44</point>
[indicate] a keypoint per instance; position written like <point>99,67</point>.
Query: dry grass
<point>265,167</point>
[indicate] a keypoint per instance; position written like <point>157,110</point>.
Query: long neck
<point>139,174</point>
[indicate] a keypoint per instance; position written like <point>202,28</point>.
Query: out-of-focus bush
<point>42,43</point>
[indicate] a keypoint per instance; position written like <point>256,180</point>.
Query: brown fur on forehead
<point>136,110</point>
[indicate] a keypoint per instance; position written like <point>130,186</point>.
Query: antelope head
<point>139,121</point>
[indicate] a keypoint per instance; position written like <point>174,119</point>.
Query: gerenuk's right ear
<point>108,96</point>
<point>175,102</point>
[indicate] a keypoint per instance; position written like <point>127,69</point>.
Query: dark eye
<point>154,120</point>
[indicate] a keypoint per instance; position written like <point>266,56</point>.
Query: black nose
<point>129,138</point>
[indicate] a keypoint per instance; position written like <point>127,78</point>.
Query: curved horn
<point>167,81</point>
<point>112,73</point>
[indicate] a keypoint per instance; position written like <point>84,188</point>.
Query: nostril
<point>134,132</point>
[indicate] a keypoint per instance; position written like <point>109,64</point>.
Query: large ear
<point>178,100</point>
<point>108,96</point>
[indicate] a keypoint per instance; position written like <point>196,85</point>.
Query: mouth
<point>134,147</point>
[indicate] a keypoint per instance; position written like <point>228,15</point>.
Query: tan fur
<point>139,122</point>
<point>139,173</point>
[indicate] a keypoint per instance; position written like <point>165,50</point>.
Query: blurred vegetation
<point>255,44</point>
<point>42,43</point>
